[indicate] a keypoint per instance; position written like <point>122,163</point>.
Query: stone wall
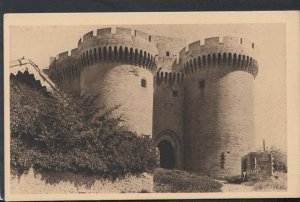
<point>218,113</point>
<point>168,111</point>
<point>119,84</point>
<point>65,71</point>
<point>201,98</point>
<point>168,51</point>
<point>218,119</point>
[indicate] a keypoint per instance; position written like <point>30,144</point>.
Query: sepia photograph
<point>126,107</point>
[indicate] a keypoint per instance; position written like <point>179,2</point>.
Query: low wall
<point>59,183</point>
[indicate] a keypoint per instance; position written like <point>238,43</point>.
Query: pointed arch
<point>247,61</point>
<point>91,56</point>
<point>87,58</point>
<point>115,55</point>
<point>152,61</point>
<point>95,55</point>
<point>224,59</point>
<point>144,58</point>
<point>214,59</point>
<point>131,56</point>
<point>199,62</point>
<point>140,58</point>
<point>234,59</point>
<point>136,52</point>
<point>209,59</point>
<point>148,60</point>
<point>219,59</point>
<point>239,61</point>
<point>99,54</point>
<point>126,55</point>
<point>204,60</point>
<point>120,53</point>
<point>195,64</point>
<point>230,59</point>
<point>191,65</point>
<point>104,53</point>
<point>166,141</point>
<point>110,53</point>
<point>243,60</point>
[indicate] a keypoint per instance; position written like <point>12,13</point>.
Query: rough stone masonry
<point>196,102</point>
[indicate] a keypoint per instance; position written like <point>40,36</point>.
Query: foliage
<point>64,134</point>
<point>280,159</point>
<point>278,183</point>
<point>183,181</point>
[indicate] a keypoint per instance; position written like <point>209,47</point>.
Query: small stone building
<point>256,165</point>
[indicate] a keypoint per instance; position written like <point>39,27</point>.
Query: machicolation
<point>196,102</point>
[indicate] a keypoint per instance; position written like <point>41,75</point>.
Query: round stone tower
<point>218,105</point>
<point>118,65</point>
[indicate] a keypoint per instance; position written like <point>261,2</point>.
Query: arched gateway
<point>169,147</point>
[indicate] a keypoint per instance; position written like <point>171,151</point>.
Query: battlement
<point>74,51</point>
<point>63,55</point>
<point>118,31</point>
<point>169,78</point>
<point>235,52</point>
<point>121,45</point>
<point>66,54</point>
<point>219,44</point>
<point>88,35</point>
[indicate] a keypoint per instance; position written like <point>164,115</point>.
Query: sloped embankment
<point>52,137</point>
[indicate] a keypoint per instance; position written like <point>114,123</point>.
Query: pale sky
<point>39,43</point>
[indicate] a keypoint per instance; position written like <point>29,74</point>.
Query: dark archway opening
<point>166,155</point>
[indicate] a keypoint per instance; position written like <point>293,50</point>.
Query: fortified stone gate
<point>196,101</point>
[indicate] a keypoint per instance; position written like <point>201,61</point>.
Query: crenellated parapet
<point>233,52</point>
<point>65,66</point>
<point>169,78</point>
<point>121,45</point>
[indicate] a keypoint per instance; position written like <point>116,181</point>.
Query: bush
<point>280,159</point>
<point>272,184</point>
<point>183,181</point>
<point>58,134</point>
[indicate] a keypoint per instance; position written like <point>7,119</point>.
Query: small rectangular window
<point>175,93</point>
<point>144,83</point>
<point>167,53</point>
<point>222,160</point>
<point>202,84</point>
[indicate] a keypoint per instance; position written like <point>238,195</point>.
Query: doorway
<point>166,155</point>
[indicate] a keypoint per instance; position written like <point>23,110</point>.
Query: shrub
<point>183,181</point>
<point>280,159</point>
<point>272,184</point>
<point>58,134</point>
